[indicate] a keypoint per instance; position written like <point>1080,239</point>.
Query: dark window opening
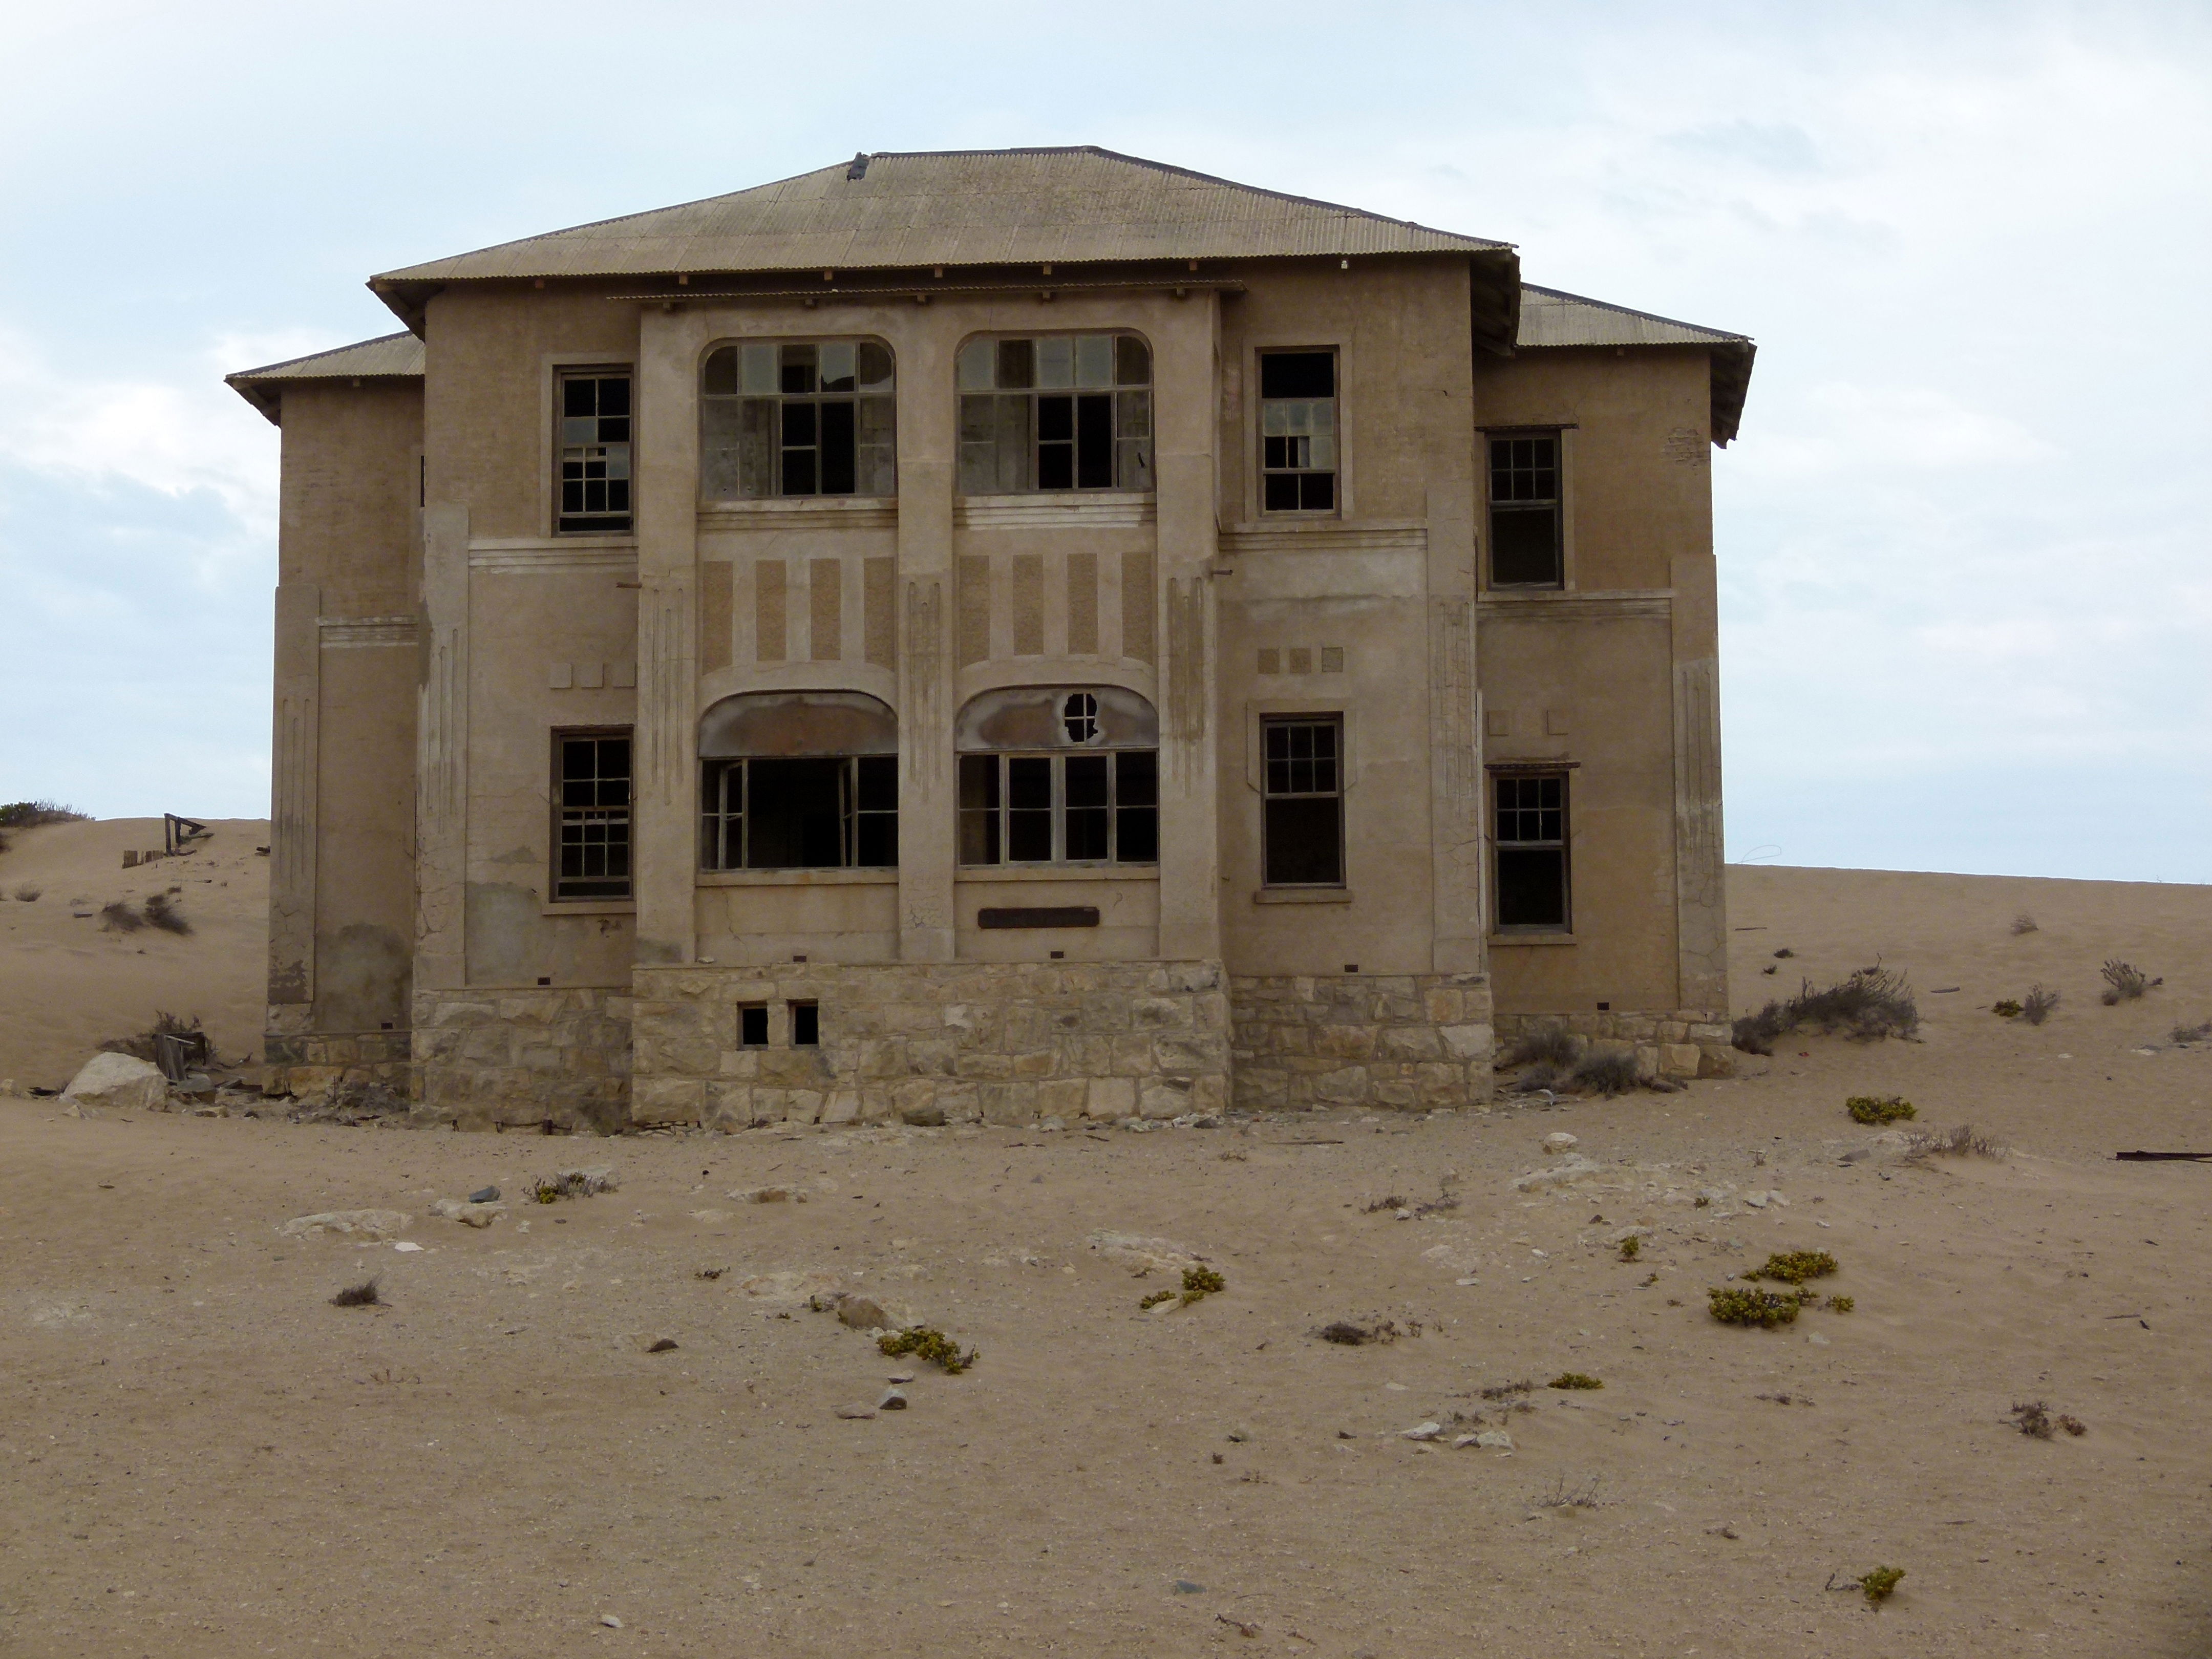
<point>797,418</point>
<point>1526,546</point>
<point>595,453</point>
<point>827,813</point>
<point>1060,808</point>
<point>805,1024</point>
<point>1531,829</point>
<point>592,793</point>
<point>752,1026</point>
<point>1297,431</point>
<point>1067,411</point>
<point>1302,828</point>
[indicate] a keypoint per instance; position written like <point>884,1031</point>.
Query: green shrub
<point>1841,1304</point>
<point>2005,1008</point>
<point>1880,1585</point>
<point>1795,1267</point>
<point>926,1342</point>
<point>1630,1248</point>
<point>1879,1109</point>
<point>1765,1309</point>
<point>1574,1380</point>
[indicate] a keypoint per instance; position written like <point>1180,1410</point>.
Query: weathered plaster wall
<point>1006,1043</point>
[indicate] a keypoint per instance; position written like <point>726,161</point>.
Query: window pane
<point>1137,777</point>
<point>879,783</point>
<point>837,366</point>
<point>720,379</point>
<point>876,843</point>
<point>872,367</point>
<point>1136,832</point>
<point>1133,361</point>
<point>1532,887</point>
<point>756,448</point>
<point>1014,470</point>
<point>1029,809</point>
<point>837,449</point>
<point>1094,441</point>
<point>756,370</point>
<point>1297,375</point>
<point>1094,360</point>
<point>614,395</point>
<point>796,813</point>
<point>798,424</point>
<point>1524,546</point>
<point>798,369</point>
<point>1016,364</point>
<point>1055,419</point>
<point>799,472</point>
<point>1280,493</point>
<point>976,361</point>
<point>979,809</point>
<point>1086,817</point>
<point>1316,492</point>
<point>720,436</point>
<point>877,468</point>
<point>1304,842</point>
<point>579,397</point>
<point>1055,361</point>
<point>1086,780</point>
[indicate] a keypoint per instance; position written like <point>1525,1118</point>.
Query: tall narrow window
<point>595,451</point>
<point>1532,851</point>
<point>591,857</point>
<point>1297,431</point>
<point>797,418</point>
<point>1055,412</point>
<point>813,812</point>
<point>1525,542</point>
<point>1303,828</point>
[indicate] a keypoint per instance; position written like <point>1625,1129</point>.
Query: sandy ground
<point>67,983</point>
<point>202,1456</point>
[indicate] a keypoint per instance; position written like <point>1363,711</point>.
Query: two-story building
<point>1003,635</point>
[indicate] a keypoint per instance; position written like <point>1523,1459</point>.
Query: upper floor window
<point>591,788</point>
<point>799,780</point>
<point>1525,539</point>
<point>595,450</point>
<point>1059,774</point>
<point>1055,412</point>
<point>797,418</point>
<point>1297,431</point>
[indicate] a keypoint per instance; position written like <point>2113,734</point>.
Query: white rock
<point>610,1621</point>
<point>1560,1141</point>
<point>1494,1440</point>
<point>769,1196</point>
<point>1422,1431</point>
<point>1566,1172</point>
<point>1757,1200</point>
<point>468,1214</point>
<point>365,1224</point>
<point>119,1081</point>
<point>408,1246</point>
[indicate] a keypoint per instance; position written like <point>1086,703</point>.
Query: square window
<point>593,458</point>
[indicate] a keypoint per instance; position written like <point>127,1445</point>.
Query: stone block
<point>1035,1064</point>
<point>543,1058</point>
<point>1397,1094</point>
<point>1335,1042</point>
<point>1132,1056</point>
<point>1158,1013</point>
<point>803,1105</point>
<point>1441,1008</point>
<point>877,1103</point>
<point>984,1067</point>
<point>742,1064</point>
<point>1647,1061</point>
<point>1348,1086</point>
<point>1667,1030</point>
<point>1716,1060</point>
<point>1469,1042</point>
<point>930,1056</point>
<point>729,1106</point>
<point>1009,1103</point>
<point>667,1100</point>
<point>1679,1060</point>
<point>962,1102</point>
<point>1703,1034</point>
<point>1409,1042</point>
<point>1110,1099</point>
<point>1164,1097</point>
<point>1589,1025</point>
<point>1063,1097</point>
<point>794,1068</point>
<point>1190,1055</point>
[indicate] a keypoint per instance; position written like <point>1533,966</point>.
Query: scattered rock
<point>484,1195</point>
<point>893,1401</point>
<point>1184,1587</point>
<point>863,1313</point>
<point>610,1621</point>
<point>1422,1431</point>
<point>468,1212</point>
<point>1142,1255</point>
<point>769,1196</point>
<point>121,1082</point>
<point>1560,1141</point>
<point>1571,1168</point>
<point>365,1224</point>
<point>901,1377</point>
<point>856,1413</point>
<point>1240,1435</point>
<point>574,1183</point>
<point>665,1344</point>
<point>1488,1440</point>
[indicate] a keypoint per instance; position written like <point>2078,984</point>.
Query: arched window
<point>796,417</point>
<point>799,780</point>
<point>1059,774</point>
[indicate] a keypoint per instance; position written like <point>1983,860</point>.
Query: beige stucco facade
<point>437,632</point>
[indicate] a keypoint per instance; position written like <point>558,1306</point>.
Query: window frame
<point>884,396</point>
<point>1260,471</point>
<point>1001,808</point>
<point>559,810</point>
<point>1144,444</point>
<point>715,817</point>
<point>1332,719</point>
<point>1563,844</point>
<point>1557,502</point>
<point>623,524</point>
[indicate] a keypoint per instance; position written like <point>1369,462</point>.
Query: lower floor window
<point>591,815</point>
<point>1531,826</point>
<point>1060,808</point>
<point>1302,828</point>
<point>823,812</point>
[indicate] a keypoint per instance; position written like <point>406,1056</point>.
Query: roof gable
<point>389,356</point>
<point>1551,317</point>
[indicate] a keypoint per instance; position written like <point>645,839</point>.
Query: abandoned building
<point>1006,634</point>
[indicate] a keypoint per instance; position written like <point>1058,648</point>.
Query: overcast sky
<point>1965,596</point>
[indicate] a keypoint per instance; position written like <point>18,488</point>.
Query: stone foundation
<point>1007,1043</point>
<point>493,1056</point>
<point>1397,1041</point>
<point>303,1062</point>
<point>1687,1043</point>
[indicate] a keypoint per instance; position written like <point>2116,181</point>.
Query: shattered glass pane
<point>719,378</point>
<point>837,366</point>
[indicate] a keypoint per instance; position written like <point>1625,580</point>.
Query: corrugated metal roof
<point>956,208</point>
<point>389,356</point>
<point>1550,318</point>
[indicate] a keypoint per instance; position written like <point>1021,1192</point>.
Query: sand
<point>204,1457</point>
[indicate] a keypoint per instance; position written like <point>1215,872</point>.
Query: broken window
<point>811,813</point>
<point>595,450</point>
<point>1297,431</point>
<point>1532,851</point>
<point>1057,411</point>
<point>592,831</point>
<point>1303,833</point>
<point>805,1024</point>
<point>1525,541</point>
<point>797,418</point>
<point>1056,774</point>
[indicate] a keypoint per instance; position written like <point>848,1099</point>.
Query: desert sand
<point>203,1456</point>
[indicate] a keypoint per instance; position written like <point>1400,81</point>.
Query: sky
<point>1966,601</point>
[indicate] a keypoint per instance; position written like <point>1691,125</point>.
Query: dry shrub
<point>1508,1390</point>
<point>161,912</point>
<point>139,1045</point>
<point>116,916</point>
<point>2032,1418</point>
<point>363,1295</point>
<point>1549,1045</point>
<point>2041,999</point>
<point>2022,923</point>
<point>2182,1034</point>
<point>1871,1003</point>
<point>30,814</point>
<point>1960,1142</point>
<point>1604,1073</point>
<point>2124,982</point>
<point>1537,1077</point>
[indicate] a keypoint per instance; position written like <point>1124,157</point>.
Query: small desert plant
<point>363,1295</point>
<point>2124,982</point>
<point>1574,1380</point>
<point>1880,1585</point>
<point>161,912</point>
<point>2006,1008</point>
<point>2072,1425</point>
<point>1795,1267</point>
<point>1550,1045</point>
<point>1841,1304</point>
<point>2179,1034</point>
<point>1606,1073</point>
<point>116,917</point>
<point>1870,1003</point>
<point>141,1044</point>
<point>1198,1283</point>
<point>1583,1497</point>
<point>30,814</point>
<point>924,1342</point>
<point>1630,1248</point>
<point>27,894</point>
<point>2022,923</point>
<point>1954,1143</point>
<point>1353,1334</point>
<point>1702,1202</point>
<point>2032,1418</point>
<point>1878,1108</point>
<point>1784,954</point>
<point>1542,1075</point>
<point>1508,1390</point>
<point>2040,1001</point>
<point>1762,1307</point>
